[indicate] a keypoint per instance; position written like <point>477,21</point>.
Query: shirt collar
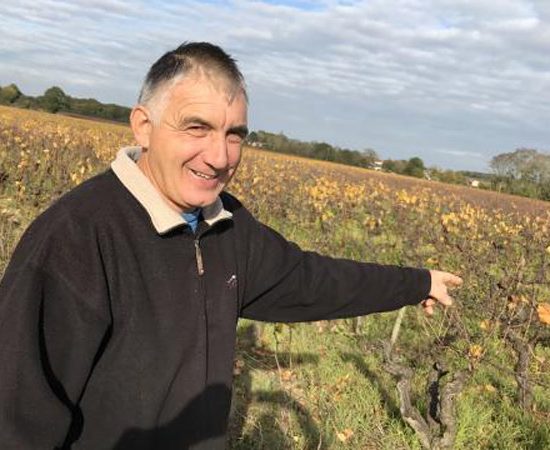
<point>162,216</point>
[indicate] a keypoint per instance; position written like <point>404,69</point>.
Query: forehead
<point>200,92</point>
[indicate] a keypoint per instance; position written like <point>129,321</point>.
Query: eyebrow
<point>239,130</point>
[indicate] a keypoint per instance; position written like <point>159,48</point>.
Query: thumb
<point>443,298</point>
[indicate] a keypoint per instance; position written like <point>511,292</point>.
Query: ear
<point>142,125</point>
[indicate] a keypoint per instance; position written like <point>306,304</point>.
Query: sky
<point>454,82</point>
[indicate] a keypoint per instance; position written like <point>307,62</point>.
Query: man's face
<point>193,151</point>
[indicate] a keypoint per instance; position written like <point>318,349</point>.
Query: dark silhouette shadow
<point>360,364</point>
<point>307,424</point>
<point>186,430</point>
<point>268,430</point>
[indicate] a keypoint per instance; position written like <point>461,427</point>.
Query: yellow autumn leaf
<point>475,351</point>
<point>485,324</point>
<point>287,375</point>
<point>543,311</point>
<point>518,299</point>
<point>344,435</point>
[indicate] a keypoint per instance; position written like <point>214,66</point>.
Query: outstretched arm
<point>285,284</point>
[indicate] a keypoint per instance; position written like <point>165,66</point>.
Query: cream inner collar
<point>162,216</point>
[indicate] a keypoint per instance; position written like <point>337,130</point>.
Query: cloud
<point>461,153</point>
<point>442,67</point>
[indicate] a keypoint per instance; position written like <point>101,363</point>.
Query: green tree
<point>9,94</point>
<point>415,167</point>
<point>54,100</point>
<point>448,176</point>
<point>394,165</point>
<point>322,150</point>
<point>252,137</point>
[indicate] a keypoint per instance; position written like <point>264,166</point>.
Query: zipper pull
<point>198,257</point>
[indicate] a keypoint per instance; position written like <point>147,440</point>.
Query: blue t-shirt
<point>192,218</point>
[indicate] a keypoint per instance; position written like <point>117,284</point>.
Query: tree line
<point>316,150</point>
<point>367,158</point>
<point>54,100</point>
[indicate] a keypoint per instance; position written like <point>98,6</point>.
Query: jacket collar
<point>162,216</point>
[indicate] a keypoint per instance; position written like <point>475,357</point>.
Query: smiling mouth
<point>202,175</point>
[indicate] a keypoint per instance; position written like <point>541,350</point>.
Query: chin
<point>202,201</point>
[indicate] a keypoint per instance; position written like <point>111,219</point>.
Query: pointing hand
<point>441,283</point>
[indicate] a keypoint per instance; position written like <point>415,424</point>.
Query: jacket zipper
<point>198,253</point>
<point>198,257</point>
<point>200,271</point>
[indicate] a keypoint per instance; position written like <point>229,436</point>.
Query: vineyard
<point>474,376</point>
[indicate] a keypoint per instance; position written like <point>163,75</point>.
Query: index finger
<point>452,280</point>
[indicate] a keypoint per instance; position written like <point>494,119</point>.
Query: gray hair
<point>188,58</point>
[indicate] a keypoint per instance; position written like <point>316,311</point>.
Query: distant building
<point>474,183</point>
<point>377,165</point>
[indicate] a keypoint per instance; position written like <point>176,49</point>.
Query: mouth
<point>203,175</point>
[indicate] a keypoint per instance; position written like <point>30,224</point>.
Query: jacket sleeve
<point>286,284</point>
<point>52,330</point>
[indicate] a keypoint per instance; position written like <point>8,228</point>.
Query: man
<point>119,307</point>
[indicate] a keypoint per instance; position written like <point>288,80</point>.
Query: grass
<point>330,392</point>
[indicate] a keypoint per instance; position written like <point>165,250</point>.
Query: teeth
<point>203,175</point>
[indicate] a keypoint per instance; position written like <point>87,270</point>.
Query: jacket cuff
<point>424,283</point>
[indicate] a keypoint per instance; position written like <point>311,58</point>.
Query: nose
<point>217,156</point>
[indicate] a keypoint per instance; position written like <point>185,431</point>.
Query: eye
<point>197,130</point>
<point>234,139</point>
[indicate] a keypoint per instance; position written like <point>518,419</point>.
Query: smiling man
<point>192,135</point>
<point>119,307</point>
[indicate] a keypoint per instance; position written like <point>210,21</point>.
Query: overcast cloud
<point>452,81</point>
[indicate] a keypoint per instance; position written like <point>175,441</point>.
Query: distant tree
<point>524,171</point>
<point>9,94</point>
<point>477,175</point>
<point>523,163</point>
<point>86,107</point>
<point>415,167</point>
<point>322,150</point>
<point>119,113</point>
<point>346,156</point>
<point>54,100</point>
<point>370,156</point>
<point>26,102</point>
<point>394,165</point>
<point>448,176</point>
<point>354,158</point>
<point>509,164</point>
<point>252,137</point>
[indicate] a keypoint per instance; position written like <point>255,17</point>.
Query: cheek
<point>234,156</point>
